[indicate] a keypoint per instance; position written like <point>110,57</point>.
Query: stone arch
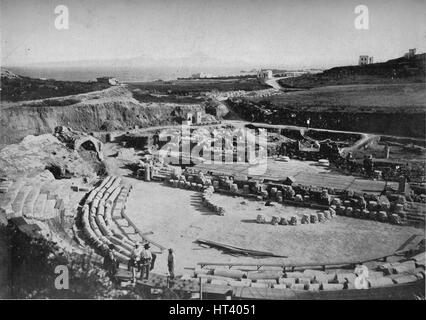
<point>89,143</point>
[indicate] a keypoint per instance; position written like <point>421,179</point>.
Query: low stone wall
<point>330,201</point>
<point>378,274</point>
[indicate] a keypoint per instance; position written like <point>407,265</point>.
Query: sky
<point>265,33</point>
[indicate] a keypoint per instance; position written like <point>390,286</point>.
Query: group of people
<point>141,260</point>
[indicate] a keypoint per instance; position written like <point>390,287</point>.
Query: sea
<point>123,74</point>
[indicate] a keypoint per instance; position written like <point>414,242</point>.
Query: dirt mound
<point>111,125</point>
<point>96,111</point>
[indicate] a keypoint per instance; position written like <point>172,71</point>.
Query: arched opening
<point>89,150</point>
<point>58,172</point>
<point>88,145</point>
<point>55,170</point>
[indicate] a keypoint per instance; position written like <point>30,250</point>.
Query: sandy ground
<point>177,218</point>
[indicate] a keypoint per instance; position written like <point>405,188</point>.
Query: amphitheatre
<point>288,219</point>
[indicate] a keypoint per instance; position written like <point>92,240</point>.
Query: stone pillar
<point>198,117</point>
<point>402,183</point>
<point>189,119</point>
<point>387,151</point>
<point>147,173</point>
<point>249,153</point>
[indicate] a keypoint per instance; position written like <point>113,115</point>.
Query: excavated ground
<point>177,218</point>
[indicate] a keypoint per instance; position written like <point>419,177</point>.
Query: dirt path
<point>273,82</point>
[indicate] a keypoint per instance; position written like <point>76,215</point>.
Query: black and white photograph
<point>186,150</point>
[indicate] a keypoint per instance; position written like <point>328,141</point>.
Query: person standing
<point>110,262</point>
<point>171,263</point>
<point>134,262</point>
<point>146,257</point>
<point>154,257</point>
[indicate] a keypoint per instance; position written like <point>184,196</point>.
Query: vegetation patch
<point>198,86</point>
<point>24,88</point>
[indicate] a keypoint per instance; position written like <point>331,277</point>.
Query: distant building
<point>198,117</point>
<point>294,73</point>
<point>410,54</point>
<point>201,75</point>
<point>264,74</point>
<point>188,121</point>
<point>108,80</point>
<point>363,60</point>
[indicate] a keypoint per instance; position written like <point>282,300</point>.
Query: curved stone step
<point>98,218</point>
<point>48,187</point>
<point>8,198</point>
<point>18,203</point>
<point>120,202</point>
<point>5,186</point>
<point>49,209</point>
<point>101,242</point>
<point>30,202</point>
<point>39,206</point>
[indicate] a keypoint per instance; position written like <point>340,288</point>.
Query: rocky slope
<point>403,122</point>
<point>113,108</point>
<point>19,88</point>
<point>35,154</point>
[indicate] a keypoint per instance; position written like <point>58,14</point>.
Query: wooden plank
<point>239,250</point>
<point>407,242</point>
<point>144,237</point>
